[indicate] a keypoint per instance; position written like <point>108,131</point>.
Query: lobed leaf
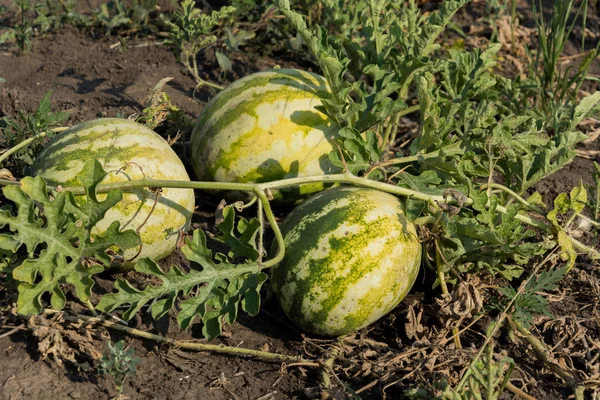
<point>55,234</point>
<point>212,291</point>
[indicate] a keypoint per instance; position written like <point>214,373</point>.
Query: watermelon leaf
<point>245,245</point>
<point>214,289</point>
<point>54,233</point>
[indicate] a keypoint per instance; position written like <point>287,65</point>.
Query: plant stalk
<point>450,151</point>
<point>28,141</point>
<point>439,262</point>
<point>347,178</point>
<point>394,124</point>
<point>275,227</point>
<point>514,195</point>
<point>545,356</point>
<point>185,344</point>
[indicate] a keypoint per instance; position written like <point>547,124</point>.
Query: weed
<point>595,198</point>
<point>56,14</point>
<point>160,112</point>
<point>119,362</point>
<point>193,31</point>
<point>25,126</point>
<point>23,30</point>
<point>551,87</point>
<point>487,380</point>
<point>117,16</point>
<point>40,17</point>
<point>529,303</point>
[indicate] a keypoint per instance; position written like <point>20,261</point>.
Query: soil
<point>93,77</point>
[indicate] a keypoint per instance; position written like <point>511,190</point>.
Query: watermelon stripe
<point>127,151</point>
<point>351,256</point>
<point>258,84</point>
<point>265,127</point>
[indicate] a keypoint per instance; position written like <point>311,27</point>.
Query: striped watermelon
<point>127,151</point>
<point>351,257</point>
<point>265,127</point>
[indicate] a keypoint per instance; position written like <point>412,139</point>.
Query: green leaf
<point>536,199</point>
<point>529,303</point>
<point>561,206</point>
<point>578,198</point>
<point>245,245</point>
<point>55,233</point>
<point>224,62</point>
<point>568,252</point>
<point>586,105</point>
<point>213,290</point>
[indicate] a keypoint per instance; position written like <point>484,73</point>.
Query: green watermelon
<point>351,257</point>
<point>127,151</point>
<point>264,127</point>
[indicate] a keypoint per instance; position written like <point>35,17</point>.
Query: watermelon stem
<point>450,150</point>
<point>393,125</point>
<point>261,230</point>
<point>440,261</point>
<point>259,189</point>
<point>28,141</point>
<point>185,344</point>
<point>266,206</point>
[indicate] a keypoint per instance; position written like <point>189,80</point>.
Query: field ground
<point>95,77</point>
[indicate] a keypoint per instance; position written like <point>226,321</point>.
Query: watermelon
<point>264,127</point>
<point>351,257</point>
<point>127,151</point>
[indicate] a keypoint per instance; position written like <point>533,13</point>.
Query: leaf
<point>245,245</point>
<point>55,233</point>
<point>213,290</point>
<point>359,151</point>
<point>536,199</point>
<point>529,303</point>
<point>578,198</point>
<point>568,253</point>
<point>586,105</point>
<point>224,62</point>
<point>561,206</point>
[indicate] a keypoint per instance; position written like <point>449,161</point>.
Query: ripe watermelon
<point>351,257</point>
<point>265,127</point>
<point>127,151</point>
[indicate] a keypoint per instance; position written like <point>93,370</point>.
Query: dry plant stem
<point>28,141</point>
<point>545,356</point>
<point>439,261</point>
<point>184,344</point>
<point>13,330</point>
<point>327,367</point>
<point>501,319</point>
<point>515,390</point>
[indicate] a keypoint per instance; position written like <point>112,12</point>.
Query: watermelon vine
<point>466,182</point>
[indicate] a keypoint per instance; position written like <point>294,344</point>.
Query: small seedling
<point>193,31</point>
<point>28,128</point>
<point>119,362</point>
<point>23,29</point>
